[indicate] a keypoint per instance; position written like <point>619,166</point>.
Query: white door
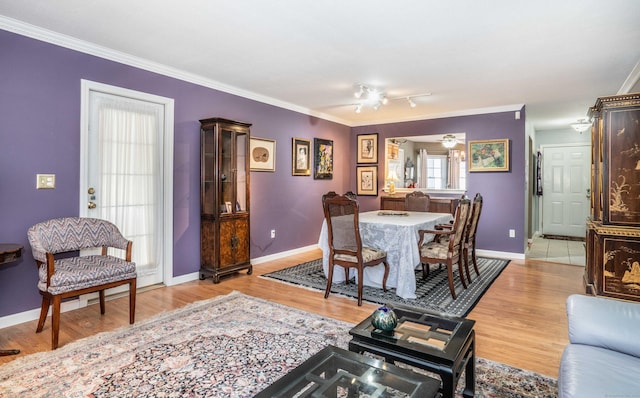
<point>125,171</point>
<point>565,189</point>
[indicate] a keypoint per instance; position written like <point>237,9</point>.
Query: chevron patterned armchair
<point>71,275</point>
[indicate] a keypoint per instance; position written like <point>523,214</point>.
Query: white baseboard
<point>30,315</point>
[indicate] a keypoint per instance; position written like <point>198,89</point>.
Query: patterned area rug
<point>229,346</point>
<point>432,293</point>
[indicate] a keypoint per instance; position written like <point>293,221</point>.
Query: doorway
<point>126,172</point>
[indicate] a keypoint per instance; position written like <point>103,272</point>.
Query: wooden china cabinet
<point>224,198</point>
<point>613,229</point>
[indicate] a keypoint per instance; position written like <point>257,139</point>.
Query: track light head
<point>358,108</point>
<point>411,103</point>
<point>359,91</point>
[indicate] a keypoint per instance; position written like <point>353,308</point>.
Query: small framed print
<point>488,155</point>
<point>323,155</point>
<point>367,180</point>
<point>368,148</point>
<point>300,155</point>
<point>228,207</point>
<point>262,152</point>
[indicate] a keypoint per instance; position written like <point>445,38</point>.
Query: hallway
<point>557,251</point>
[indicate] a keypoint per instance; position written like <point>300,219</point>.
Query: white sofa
<point>603,357</point>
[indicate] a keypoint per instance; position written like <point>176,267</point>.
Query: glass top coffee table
<point>438,343</point>
<point>335,372</point>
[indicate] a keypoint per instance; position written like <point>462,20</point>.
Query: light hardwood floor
<point>520,320</point>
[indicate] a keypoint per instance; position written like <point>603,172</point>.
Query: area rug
<point>230,346</point>
<point>432,293</point>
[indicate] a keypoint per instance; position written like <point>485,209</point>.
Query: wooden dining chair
<point>469,248</point>
<point>345,244</point>
<point>447,252</point>
<point>416,201</point>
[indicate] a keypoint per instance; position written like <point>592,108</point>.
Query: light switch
<point>45,181</point>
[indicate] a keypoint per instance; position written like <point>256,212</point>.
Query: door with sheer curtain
<point>123,180</point>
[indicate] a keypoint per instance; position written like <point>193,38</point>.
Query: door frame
<point>541,203</point>
<point>87,86</point>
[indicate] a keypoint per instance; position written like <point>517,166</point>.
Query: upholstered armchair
<point>72,275</point>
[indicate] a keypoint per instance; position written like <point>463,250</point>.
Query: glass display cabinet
<point>224,198</point>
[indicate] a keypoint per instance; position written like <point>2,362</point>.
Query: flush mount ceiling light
<point>581,126</point>
<point>449,141</point>
<point>376,98</point>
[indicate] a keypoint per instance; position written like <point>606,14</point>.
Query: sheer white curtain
<point>422,164</point>
<point>454,169</point>
<point>128,171</point>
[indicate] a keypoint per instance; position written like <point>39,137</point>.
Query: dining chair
<point>469,248</point>
<point>345,244</point>
<point>63,273</point>
<point>447,252</point>
<point>416,201</point>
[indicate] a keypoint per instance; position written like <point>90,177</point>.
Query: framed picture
<point>488,155</point>
<point>300,155</point>
<point>368,148</point>
<point>262,152</point>
<point>367,180</point>
<point>228,206</point>
<point>323,155</point>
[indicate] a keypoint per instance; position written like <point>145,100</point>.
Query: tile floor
<point>557,251</point>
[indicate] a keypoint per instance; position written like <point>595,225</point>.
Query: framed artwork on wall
<point>488,155</point>
<point>367,180</point>
<point>262,152</point>
<point>368,148</point>
<point>300,157</point>
<point>323,155</point>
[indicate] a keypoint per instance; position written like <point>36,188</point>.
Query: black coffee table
<point>337,372</point>
<point>438,343</point>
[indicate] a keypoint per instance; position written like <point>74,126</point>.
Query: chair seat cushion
<point>435,250</point>
<point>76,273</point>
<point>368,254</point>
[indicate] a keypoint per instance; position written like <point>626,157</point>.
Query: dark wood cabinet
<point>224,198</point>
<point>436,205</point>
<point>613,230</point>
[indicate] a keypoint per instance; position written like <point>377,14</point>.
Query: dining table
<point>395,232</point>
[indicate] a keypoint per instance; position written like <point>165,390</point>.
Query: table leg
<point>470,370</point>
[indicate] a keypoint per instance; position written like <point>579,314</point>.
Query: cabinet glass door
<point>208,179</point>
<point>227,184</point>
<point>241,172</point>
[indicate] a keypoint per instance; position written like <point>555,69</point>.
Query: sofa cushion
<point>588,371</point>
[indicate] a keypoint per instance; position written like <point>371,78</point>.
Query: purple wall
<point>503,192</point>
<point>40,133</point>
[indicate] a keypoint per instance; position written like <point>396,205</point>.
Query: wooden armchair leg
<point>44,309</point>
<point>329,281</point>
<point>55,321</point>
<point>450,276</point>
<point>132,301</point>
<point>101,295</point>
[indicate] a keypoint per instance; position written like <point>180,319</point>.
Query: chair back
<point>416,201</point>
<point>67,234</point>
<point>459,224</point>
<point>341,213</point>
<point>472,225</point>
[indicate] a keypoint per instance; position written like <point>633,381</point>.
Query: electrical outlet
<point>512,233</point>
<point>273,234</point>
<point>45,181</point>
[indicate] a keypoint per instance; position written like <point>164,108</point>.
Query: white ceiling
<point>556,57</point>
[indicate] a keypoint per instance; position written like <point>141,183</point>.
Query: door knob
<point>91,205</point>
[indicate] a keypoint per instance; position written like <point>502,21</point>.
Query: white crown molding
<point>631,80</point>
<point>38,33</point>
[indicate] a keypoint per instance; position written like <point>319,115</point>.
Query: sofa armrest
<point>606,323</point>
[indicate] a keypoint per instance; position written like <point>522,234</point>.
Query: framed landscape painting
<point>367,180</point>
<point>368,148</point>
<point>489,155</point>
<point>323,155</point>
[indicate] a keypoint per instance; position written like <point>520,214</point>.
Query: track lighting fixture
<point>376,98</point>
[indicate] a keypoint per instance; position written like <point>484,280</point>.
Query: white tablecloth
<point>398,236</point>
